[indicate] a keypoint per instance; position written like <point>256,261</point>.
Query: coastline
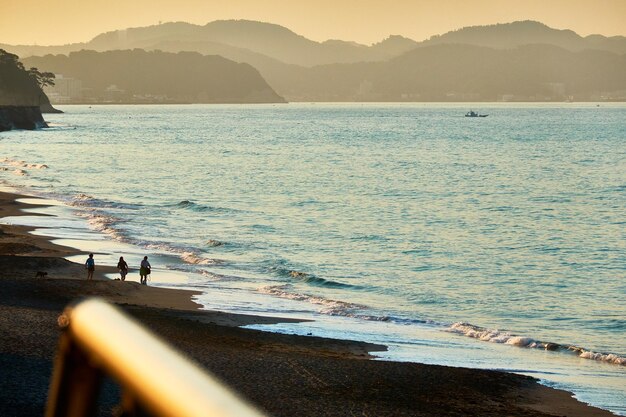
<point>282,374</point>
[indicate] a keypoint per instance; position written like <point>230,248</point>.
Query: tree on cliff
<point>41,78</point>
<point>19,86</point>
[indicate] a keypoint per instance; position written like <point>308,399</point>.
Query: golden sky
<point>45,22</point>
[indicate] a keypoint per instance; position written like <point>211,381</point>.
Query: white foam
<point>82,197</point>
<point>22,164</point>
<point>102,223</point>
<point>497,336</point>
<point>195,259</point>
<point>328,306</point>
<point>610,357</point>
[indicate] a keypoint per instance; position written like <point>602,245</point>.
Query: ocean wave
<point>92,210</point>
<point>497,336</point>
<point>192,206</point>
<point>109,225</point>
<point>308,278</point>
<point>104,223</point>
<point>328,306</point>
<point>219,277</point>
<point>333,307</point>
<point>88,201</point>
<point>364,237</point>
<point>211,276</point>
<point>22,164</point>
<point>189,255</point>
<point>196,259</point>
<point>315,280</point>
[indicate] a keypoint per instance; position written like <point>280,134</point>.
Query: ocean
<point>495,242</point>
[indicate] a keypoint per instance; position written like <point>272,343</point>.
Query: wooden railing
<point>99,339</point>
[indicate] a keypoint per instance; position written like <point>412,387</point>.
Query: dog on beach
<point>41,274</point>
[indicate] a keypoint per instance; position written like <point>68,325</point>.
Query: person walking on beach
<point>90,266</point>
<point>144,270</point>
<point>123,267</point>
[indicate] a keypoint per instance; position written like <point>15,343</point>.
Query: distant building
<point>456,96</point>
<point>64,90</point>
<point>364,89</point>
<point>556,90</point>
<point>114,93</point>
<point>619,95</point>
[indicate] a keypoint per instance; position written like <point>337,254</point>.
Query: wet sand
<point>283,375</point>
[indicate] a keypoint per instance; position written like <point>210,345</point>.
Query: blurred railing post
<point>98,339</point>
<point>75,384</point>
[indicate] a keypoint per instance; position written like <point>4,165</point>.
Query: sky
<point>364,21</point>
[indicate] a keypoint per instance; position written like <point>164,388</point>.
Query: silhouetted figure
<point>90,265</point>
<point>123,268</point>
<point>144,270</point>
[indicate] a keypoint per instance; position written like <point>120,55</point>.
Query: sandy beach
<point>283,375</point>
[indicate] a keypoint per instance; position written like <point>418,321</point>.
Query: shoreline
<point>308,375</point>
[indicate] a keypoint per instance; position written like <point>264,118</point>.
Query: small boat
<point>472,113</point>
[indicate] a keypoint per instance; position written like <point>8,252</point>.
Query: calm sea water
<point>460,241</point>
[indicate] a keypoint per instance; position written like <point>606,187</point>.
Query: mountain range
<point>521,57</point>
<point>511,35</point>
<point>458,72</point>
<point>238,37</point>
<point>231,37</point>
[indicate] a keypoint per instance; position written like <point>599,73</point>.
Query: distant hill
<point>230,37</point>
<point>452,72</point>
<point>511,35</point>
<point>300,69</point>
<point>137,75</point>
<point>268,39</point>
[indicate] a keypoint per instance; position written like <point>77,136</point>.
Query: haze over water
<point>388,223</point>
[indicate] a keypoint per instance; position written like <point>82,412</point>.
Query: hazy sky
<point>64,21</point>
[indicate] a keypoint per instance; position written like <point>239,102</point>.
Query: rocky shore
<point>21,117</point>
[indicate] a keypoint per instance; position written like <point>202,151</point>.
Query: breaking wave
<point>210,276</point>
<point>190,256</point>
<point>315,280</point>
<point>308,278</point>
<point>87,201</point>
<point>196,259</point>
<point>109,225</point>
<point>328,306</point>
<point>190,205</point>
<point>22,164</point>
<point>497,336</point>
<point>103,223</point>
